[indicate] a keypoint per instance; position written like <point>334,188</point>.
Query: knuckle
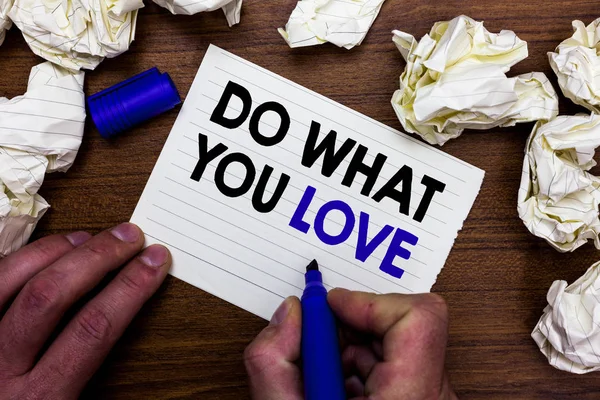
<point>258,357</point>
<point>250,353</point>
<point>437,303</point>
<point>44,248</point>
<point>97,249</point>
<point>134,282</point>
<point>42,251</point>
<point>433,306</point>
<point>20,388</point>
<point>41,294</point>
<point>93,326</point>
<point>37,388</point>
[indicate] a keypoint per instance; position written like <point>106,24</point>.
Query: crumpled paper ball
<point>558,197</point>
<point>231,8</point>
<point>455,78</point>
<point>568,333</point>
<point>5,22</point>
<point>576,63</point>
<point>76,34</point>
<point>81,33</point>
<point>342,23</point>
<point>41,132</point>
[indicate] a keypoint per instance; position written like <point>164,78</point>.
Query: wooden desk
<point>188,344</point>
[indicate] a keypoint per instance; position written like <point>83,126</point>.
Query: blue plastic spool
<point>131,102</point>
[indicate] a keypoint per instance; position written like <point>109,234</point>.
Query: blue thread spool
<point>133,101</point>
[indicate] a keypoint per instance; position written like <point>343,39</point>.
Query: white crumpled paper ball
<point>342,23</point>
<point>577,65</point>
<point>231,8</point>
<point>5,22</point>
<point>558,198</point>
<point>455,78</point>
<point>79,34</point>
<point>568,333</point>
<point>76,34</point>
<point>41,133</point>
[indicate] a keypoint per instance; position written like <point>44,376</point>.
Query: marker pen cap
<point>133,101</point>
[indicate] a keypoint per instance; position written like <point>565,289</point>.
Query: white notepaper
<point>255,259</point>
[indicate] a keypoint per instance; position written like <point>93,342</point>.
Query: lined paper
<point>231,8</point>
<point>76,35</point>
<point>40,132</point>
<point>558,196</point>
<point>225,246</point>
<point>343,23</point>
<point>447,86</point>
<point>568,329</point>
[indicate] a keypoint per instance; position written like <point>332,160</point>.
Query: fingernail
<point>281,312</point>
<point>126,232</point>
<point>78,238</point>
<point>155,256</point>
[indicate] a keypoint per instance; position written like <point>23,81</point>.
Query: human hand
<point>393,348</point>
<point>45,279</point>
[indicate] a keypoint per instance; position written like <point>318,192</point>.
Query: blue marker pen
<point>321,359</point>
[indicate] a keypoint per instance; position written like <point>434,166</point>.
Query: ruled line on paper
<point>238,243</point>
<point>9,128</point>
<point>9,144</point>
<point>226,254</point>
<point>56,102</point>
<point>287,216</point>
<point>411,207</point>
<point>43,116</point>
<point>67,89</point>
<point>296,238</point>
<point>321,183</point>
<point>324,266</point>
<point>338,140</point>
<point>212,167</point>
<point>208,262</point>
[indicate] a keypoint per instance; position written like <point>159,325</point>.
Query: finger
<point>358,360</point>
<point>84,343</point>
<point>354,387</point>
<point>270,359</point>
<point>41,304</point>
<point>414,348</point>
<point>19,267</point>
<point>419,321</point>
<point>419,339</point>
<point>368,312</point>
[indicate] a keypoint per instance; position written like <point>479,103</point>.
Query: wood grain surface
<point>188,344</point>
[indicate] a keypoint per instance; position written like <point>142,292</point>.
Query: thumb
<point>270,359</point>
